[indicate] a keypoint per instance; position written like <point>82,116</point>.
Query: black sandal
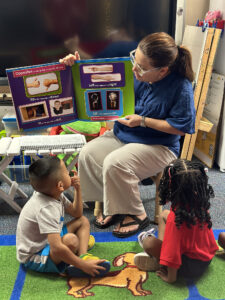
<point>142,224</point>
<point>112,221</point>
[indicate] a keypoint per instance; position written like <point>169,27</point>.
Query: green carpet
<point>124,280</point>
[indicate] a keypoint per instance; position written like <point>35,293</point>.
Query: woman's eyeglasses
<point>139,68</point>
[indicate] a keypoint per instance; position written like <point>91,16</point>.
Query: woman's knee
<point>112,164</point>
<point>85,152</point>
<point>91,156</point>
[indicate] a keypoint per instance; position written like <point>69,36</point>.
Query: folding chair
<point>14,187</point>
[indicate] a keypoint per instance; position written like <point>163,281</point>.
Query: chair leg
<point>158,207</point>
<point>98,208</point>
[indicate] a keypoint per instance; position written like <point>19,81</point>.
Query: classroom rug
<point>124,281</point>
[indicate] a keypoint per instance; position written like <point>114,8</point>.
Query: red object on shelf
<point>56,130</point>
<point>216,24</point>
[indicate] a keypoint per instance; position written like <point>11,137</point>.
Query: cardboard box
<point>205,146</point>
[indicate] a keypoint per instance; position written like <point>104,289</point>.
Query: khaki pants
<point>110,171</point>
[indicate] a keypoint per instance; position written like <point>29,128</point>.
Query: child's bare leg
<point>149,260</point>
<point>81,227</point>
<point>71,241</point>
<point>221,240</point>
<point>162,223</point>
<point>151,244</point>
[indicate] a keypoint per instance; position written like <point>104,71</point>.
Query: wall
<point>219,65</point>
<point>195,9</point>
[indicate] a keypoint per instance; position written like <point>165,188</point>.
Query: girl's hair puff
<point>185,184</point>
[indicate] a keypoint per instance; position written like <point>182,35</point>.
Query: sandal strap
<point>139,221</point>
<point>136,221</point>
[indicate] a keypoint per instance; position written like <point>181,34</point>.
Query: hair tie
<point>206,170</point>
<point>178,50</point>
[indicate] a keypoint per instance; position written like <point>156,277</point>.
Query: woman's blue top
<point>169,99</point>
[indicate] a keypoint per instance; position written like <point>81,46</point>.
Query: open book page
<point>103,88</point>
<point>43,95</point>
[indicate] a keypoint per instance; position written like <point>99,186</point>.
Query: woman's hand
<point>70,59</point>
<point>131,120</point>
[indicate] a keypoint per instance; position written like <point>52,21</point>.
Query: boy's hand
<point>92,266</point>
<point>75,179</point>
<point>70,59</point>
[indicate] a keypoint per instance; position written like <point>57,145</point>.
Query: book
<point>52,94</point>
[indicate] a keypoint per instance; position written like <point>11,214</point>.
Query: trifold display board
<point>203,46</point>
<point>91,90</point>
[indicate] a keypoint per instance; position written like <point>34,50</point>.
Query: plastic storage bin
<point>10,124</point>
<point>11,128</point>
<point>17,170</point>
<point>18,173</point>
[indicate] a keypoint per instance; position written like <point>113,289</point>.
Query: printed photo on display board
<point>61,106</point>
<point>42,84</point>
<point>33,112</point>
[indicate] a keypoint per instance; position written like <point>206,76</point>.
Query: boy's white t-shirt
<point>40,216</point>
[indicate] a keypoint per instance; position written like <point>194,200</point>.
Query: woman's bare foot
<point>102,221</point>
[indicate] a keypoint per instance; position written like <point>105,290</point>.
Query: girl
<point>185,244</point>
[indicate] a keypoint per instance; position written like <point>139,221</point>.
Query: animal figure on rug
<point>130,277</point>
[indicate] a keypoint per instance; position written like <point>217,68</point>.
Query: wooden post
<point>198,88</point>
<point>158,207</point>
<point>201,103</point>
<point>98,208</point>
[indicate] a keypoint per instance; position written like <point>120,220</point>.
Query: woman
<point>111,166</point>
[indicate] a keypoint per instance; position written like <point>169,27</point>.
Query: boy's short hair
<point>44,173</point>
